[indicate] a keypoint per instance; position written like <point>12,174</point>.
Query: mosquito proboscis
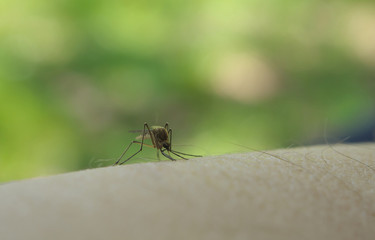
<point>161,138</point>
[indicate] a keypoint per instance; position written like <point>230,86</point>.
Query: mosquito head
<point>167,146</point>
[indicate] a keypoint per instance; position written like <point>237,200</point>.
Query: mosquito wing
<point>147,135</point>
<point>141,131</point>
<point>137,131</point>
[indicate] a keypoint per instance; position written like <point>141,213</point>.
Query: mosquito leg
<point>166,155</point>
<point>191,155</point>
<point>151,134</point>
<point>123,154</point>
<point>170,138</point>
<point>179,155</point>
<point>117,163</point>
<point>143,137</point>
<point>166,126</point>
<point>175,152</point>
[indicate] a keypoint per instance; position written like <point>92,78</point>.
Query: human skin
<point>319,192</point>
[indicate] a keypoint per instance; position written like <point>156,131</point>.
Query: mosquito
<point>161,138</point>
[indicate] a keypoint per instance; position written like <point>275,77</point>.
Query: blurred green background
<point>77,75</point>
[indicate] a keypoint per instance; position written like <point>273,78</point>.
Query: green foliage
<point>75,76</point>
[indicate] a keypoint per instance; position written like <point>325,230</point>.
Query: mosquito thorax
<point>161,137</point>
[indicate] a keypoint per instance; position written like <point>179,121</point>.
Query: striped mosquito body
<point>161,138</point>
